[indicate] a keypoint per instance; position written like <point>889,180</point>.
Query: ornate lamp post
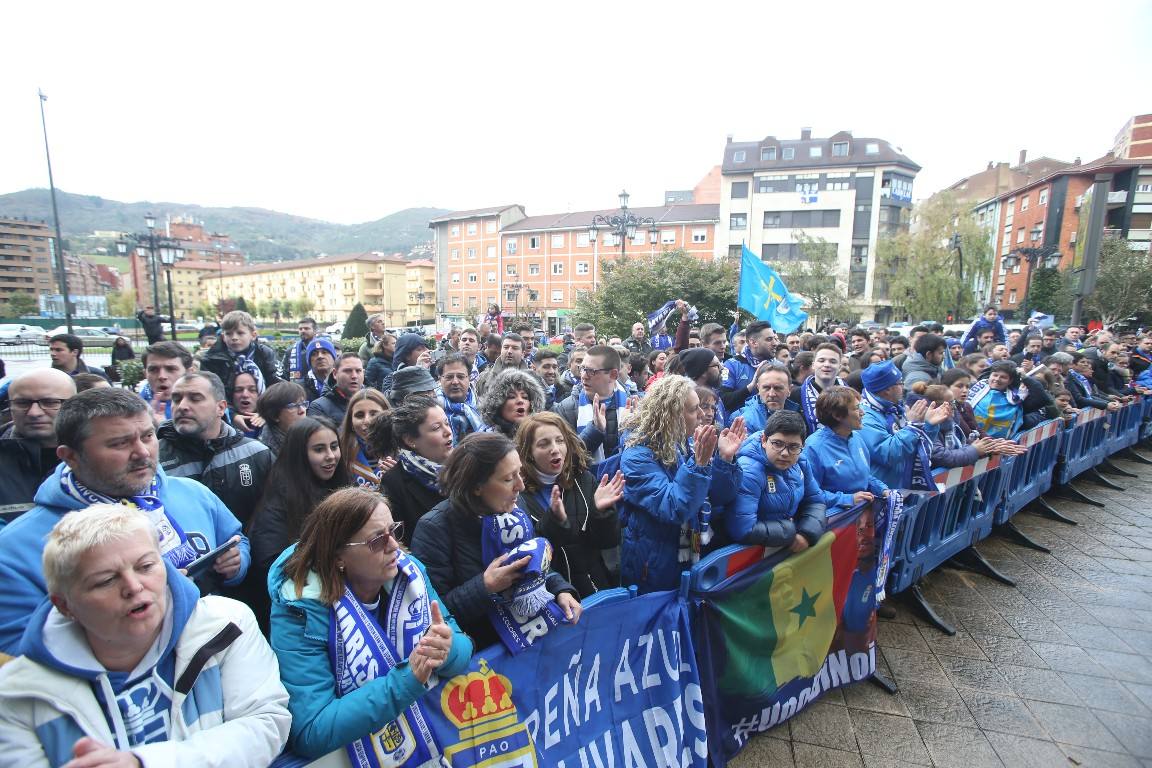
<point>151,243</point>
<point>623,225</point>
<point>169,255</point>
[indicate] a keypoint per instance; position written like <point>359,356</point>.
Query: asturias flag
<point>764,294</point>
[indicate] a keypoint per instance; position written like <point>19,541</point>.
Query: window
<point>558,241</point>
<point>739,190</point>
<point>1020,235</point>
<point>534,242</point>
<point>455,254</point>
<point>667,236</point>
<point>699,235</point>
<point>456,277</point>
<point>511,270</point>
<point>1042,198</point>
<point>455,301</point>
<point>638,236</point>
<point>533,269</point>
<point>533,295</point>
<point>472,228</point>
<point>764,185</point>
<point>471,253</point>
<point>807,187</point>
<point>490,226</point>
<point>1016,268</point>
<point>738,221</point>
<point>1024,203</point>
<point>582,240</point>
<point>510,247</point>
<point>815,151</point>
<point>492,276</point>
<point>490,252</point>
<point>738,156</point>
<point>510,296</point>
<point>472,277</point>
<point>872,148</point>
<point>1012,296</point>
<point>581,267</point>
<point>454,231</point>
<point>771,220</point>
<point>611,241</point>
<point>557,268</point>
<point>837,186</point>
<point>767,154</point>
<point>840,149</point>
<point>473,301</point>
<point>1144,187</point>
<point>557,295</point>
<point>789,153</point>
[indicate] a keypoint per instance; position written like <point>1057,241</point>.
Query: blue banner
<point>619,688</point>
<point>763,294</point>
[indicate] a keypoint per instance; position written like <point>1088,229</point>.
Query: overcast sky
<point>350,111</point>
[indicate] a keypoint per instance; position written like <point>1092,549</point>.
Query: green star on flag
<point>806,608</point>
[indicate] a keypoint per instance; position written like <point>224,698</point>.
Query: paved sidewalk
<point>1054,672</point>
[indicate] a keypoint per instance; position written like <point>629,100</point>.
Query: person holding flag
<point>658,320</point>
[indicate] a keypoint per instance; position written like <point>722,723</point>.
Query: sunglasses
<point>378,542</point>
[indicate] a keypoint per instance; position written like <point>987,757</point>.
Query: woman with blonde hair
<point>676,469</point>
<point>566,504</point>
<point>356,452</point>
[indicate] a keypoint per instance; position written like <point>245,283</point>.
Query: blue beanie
<point>319,343</point>
<point>879,376</point>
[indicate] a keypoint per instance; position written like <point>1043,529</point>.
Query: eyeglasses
<point>783,447</point>
<point>594,371</point>
<point>454,377</point>
<point>378,542</point>
<point>45,403</point>
<point>301,404</point>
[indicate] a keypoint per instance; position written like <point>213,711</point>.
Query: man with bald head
<point>28,445</point>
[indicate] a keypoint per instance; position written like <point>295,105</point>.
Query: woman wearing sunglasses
<point>359,631</point>
<point>779,504</point>
<point>281,405</point>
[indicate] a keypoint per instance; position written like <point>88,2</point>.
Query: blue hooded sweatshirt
<point>773,504</point>
<point>204,518</point>
<point>840,466</point>
<point>136,705</point>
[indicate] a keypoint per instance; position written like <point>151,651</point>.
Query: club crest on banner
<point>480,705</point>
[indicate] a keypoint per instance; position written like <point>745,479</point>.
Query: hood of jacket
<point>283,590</point>
<point>404,346</point>
<point>60,644</point>
<point>917,363</point>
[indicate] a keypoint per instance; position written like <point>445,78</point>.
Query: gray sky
<point>349,111</point>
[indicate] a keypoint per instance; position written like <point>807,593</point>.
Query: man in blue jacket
<point>899,441</point>
<point>761,347</point>
<point>770,386</point>
<point>108,446</point>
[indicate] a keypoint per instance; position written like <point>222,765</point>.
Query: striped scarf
<point>243,362</point>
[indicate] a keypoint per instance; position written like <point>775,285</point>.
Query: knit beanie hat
<point>879,376</point>
<point>696,361</point>
<point>410,380</point>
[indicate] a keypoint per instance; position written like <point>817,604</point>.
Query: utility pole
<point>61,274</point>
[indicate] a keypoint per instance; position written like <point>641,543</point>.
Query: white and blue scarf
<point>657,319</point>
<point>361,648</point>
<point>886,527</point>
<point>1083,381</point>
<point>526,611</point>
<point>296,362</point>
<point>174,544</point>
<point>808,395</point>
<point>462,417</point>
<point>695,534</point>
<point>619,401</point>
<point>999,414</point>
<point>365,471</point>
<point>426,471</point>
<point>244,362</point>
<point>915,475</point>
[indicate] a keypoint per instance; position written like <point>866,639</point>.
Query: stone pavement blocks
<point>935,703</point>
<point>1004,714</point>
<point>1038,684</point>
<point>914,665</point>
<point>826,725</point>
<point>1097,758</point>
<point>954,747</point>
<point>974,673</point>
<point>1073,724</point>
<point>812,756</point>
<point>889,736</point>
<point>1135,733</point>
<point>1020,752</point>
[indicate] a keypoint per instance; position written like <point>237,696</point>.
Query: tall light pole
<point>62,275</point>
<point>169,255</point>
<point>153,244</point>
<point>623,225</point>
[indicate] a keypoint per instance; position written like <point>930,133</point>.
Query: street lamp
<point>169,254</point>
<point>623,225</point>
<point>515,288</point>
<point>1048,257</point>
<point>151,243</point>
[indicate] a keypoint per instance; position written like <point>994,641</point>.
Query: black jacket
<point>448,543</point>
<point>379,369</point>
<point>332,404</point>
<point>579,542</point>
<point>24,465</point>
<point>232,466</point>
<point>218,360</point>
<point>408,498</point>
<point>153,327</point>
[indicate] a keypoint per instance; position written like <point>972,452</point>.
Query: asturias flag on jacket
<point>764,294</point>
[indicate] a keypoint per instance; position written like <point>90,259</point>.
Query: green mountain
<point>264,235</point>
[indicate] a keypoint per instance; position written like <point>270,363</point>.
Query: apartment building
<point>421,292</point>
<point>25,259</point>
<point>847,190</point>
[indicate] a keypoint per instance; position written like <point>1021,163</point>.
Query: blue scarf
<point>916,475</point>
<point>462,417</point>
<point>1082,380</point>
<point>808,395</point>
<point>998,413</point>
<point>296,357</point>
<point>243,362</point>
<point>362,649</point>
<point>618,401</point>
<point>526,611</point>
<point>886,528</point>
<point>174,544</point>
<point>365,472</point>
<point>657,319</point>
<point>424,470</point>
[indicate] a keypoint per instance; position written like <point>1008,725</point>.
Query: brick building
<point>25,259</point>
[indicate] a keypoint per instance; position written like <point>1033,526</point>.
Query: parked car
<point>187,327</point>
<point>336,329</point>
<point>18,333</point>
<point>92,337</point>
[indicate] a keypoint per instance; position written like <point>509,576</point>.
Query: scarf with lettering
<point>916,475</point>
<point>363,647</point>
<point>174,543</point>
<point>296,357</point>
<point>244,362</point>
<point>426,471</point>
<point>886,526</point>
<point>365,471</point>
<point>527,610</point>
<point>695,534</point>
<point>998,413</point>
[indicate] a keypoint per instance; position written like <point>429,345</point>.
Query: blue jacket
<point>773,505</point>
<point>840,467</point>
<point>321,720</point>
<point>980,326</point>
<point>888,451</point>
<point>740,372</point>
<point>756,414</point>
<point>657,502</point>
<point>204,518</point>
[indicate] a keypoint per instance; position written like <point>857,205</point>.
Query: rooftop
<point>322,261</point>
<point>474,213</point>
<point>861,151</point>
<point>665,214</point>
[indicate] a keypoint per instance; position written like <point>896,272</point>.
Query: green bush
<point>131,373</point>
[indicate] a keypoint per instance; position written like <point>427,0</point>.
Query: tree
<point>1123,282</point>
<point>1049,294</point>
<point>122,303</point>
<point>632,287</point>
<point>240,304</point>
<point>356,326</point>
<point>922,268</point>
<point>20,304</point>
<point>275,309</point>
<point>817,277</point>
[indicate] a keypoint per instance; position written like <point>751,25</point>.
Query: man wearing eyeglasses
<point>28,445</point>
<point>599,407</point>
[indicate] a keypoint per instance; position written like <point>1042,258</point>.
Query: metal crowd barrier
<point>1029,477</point>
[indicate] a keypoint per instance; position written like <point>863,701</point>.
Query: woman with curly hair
<point>676,469</point>
<point>511,396</point>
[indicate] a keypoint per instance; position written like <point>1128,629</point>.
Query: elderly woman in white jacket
<point>128,666</point>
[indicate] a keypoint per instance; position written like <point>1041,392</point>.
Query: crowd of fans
<point>301,544</point>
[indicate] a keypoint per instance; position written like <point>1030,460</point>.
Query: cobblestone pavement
<point>1054,672</point>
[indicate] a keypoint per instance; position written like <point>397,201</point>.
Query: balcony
<point>1118,198</point>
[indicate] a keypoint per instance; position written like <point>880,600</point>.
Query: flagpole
<point>61,273</point>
